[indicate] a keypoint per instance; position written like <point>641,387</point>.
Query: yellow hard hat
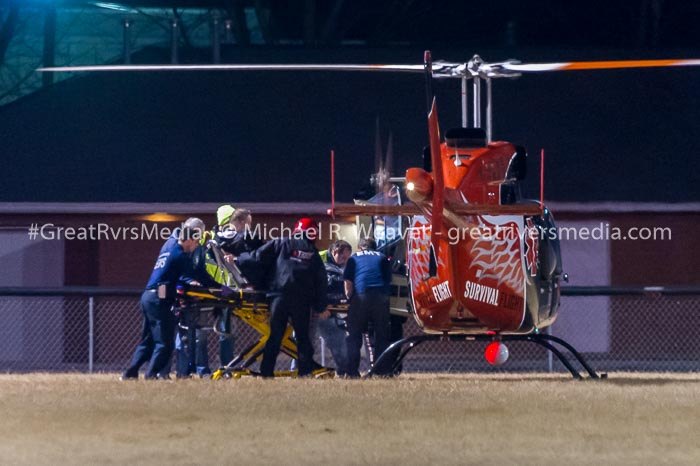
<point>223,214</point>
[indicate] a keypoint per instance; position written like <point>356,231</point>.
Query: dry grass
<point>439,419</point>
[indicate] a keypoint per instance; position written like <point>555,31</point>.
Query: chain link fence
<point>95,331</point>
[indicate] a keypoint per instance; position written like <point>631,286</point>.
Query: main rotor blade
<point>596,65</point>
<point>440,69</point>
<point>238,67</point>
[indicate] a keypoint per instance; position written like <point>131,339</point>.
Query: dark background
<point>621,135</point>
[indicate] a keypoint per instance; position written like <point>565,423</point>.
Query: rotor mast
<point>465,71</point>
<point>465,100</point>
<point>472,70</point>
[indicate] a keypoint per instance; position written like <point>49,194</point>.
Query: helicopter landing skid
<point>390,360</point>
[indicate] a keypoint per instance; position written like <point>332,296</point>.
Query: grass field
<point>414,419</point>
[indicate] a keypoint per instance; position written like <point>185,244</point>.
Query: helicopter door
<point>389,233</point>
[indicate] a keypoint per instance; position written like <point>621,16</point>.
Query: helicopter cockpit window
<point>386,228</point>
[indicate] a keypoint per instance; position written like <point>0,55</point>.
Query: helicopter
<point>479,264</point>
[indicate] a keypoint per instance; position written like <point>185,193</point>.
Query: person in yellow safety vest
<point>222,276</point>
<point>223,228</point>
<point>224,215</point>
<point>331,327</point>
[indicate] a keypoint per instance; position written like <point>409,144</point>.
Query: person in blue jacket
<point>367,284</point>
<point>158,336</point>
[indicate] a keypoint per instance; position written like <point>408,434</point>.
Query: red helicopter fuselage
<point>476,272</point>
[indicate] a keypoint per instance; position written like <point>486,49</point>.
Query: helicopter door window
<point>386,230</point>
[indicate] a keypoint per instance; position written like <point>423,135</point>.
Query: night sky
<point>625,135</point>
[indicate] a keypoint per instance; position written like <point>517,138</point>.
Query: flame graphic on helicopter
<point>498,257</point>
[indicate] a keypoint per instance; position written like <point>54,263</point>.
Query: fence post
<point>550,357</point>
<point>91,333</point>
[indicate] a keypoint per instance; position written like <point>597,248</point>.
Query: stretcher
<point>251,308</point>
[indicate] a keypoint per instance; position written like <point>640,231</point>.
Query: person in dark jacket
<point>239,237</point>
<point>234,236</point>
<point>158,335</point>
<point>367,283</point>
<point>296,285</point>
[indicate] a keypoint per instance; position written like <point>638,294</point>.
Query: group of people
<point>232,238</point>
<point>299,280</point>
<point>182,259</point>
